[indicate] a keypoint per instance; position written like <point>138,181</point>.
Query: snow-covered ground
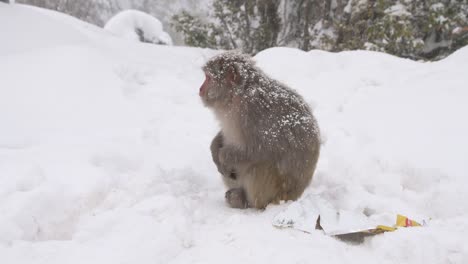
<point>104,152</point>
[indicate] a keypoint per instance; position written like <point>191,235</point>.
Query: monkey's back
<point>283,120</point>
<point>287,133</point>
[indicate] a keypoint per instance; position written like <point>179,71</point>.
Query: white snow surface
<point>126,23</point>
<point>104,152</point>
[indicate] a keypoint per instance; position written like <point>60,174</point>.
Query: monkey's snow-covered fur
<point>269,143</point>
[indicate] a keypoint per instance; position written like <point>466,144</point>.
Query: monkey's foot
<point>236,198</point>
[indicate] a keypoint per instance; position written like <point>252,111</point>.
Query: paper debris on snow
<point>345,225</point>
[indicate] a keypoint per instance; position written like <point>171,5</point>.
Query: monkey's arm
<point>230,155</point>
<point>216,144</point>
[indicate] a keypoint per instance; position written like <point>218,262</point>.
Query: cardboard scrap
<point>359,235</point>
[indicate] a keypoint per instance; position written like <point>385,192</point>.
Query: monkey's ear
<point>232,75</point>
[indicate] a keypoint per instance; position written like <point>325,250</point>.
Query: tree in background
<point>195,32</point>
<point>235,24</point>
<point>378,25</point>
<point>411,29</point>
<point>418,29</point>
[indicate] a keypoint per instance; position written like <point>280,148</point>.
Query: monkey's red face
<point>211,91</point>
<point>205,86</point>
<point>217,89</point>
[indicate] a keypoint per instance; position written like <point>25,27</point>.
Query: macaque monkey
<point>269,142</point>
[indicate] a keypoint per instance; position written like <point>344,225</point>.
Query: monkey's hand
<point>216,145</point>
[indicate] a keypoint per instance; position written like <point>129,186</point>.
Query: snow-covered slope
<point>104,152</point>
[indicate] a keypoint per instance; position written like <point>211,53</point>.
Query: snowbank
<point>139,26</point>
<point>17,36</point>
<point>104,152</point>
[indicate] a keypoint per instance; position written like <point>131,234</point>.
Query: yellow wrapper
<point>403,221</point>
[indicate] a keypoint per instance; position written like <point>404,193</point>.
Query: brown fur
<point>269,142</point>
